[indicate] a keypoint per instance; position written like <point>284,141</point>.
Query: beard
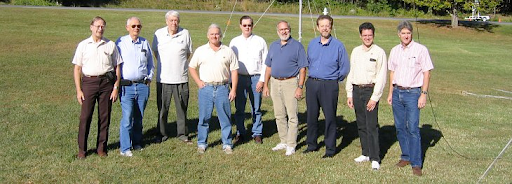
<point>284,37</point>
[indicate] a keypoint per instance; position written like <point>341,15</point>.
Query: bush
<point>34,2</point>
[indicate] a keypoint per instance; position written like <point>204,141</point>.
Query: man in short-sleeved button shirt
<point>172,46</point>
<point>217,64</point>
<point>286,59</point>
<point>96,76</point>
<point>409,67</point>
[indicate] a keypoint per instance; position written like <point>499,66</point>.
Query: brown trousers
<point>95,89</point>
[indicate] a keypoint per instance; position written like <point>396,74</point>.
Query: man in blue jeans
<point>409,67</point>
<point>136,74</point>
<point>217,64</point>
<point>251,51</point>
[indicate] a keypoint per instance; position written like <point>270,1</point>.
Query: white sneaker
<point>279,146</point>
<point>201,150</point>
<point>228,150</point>
<point>375,165</point>
<point>127,153</point>
<point>290,151</point>
<point>362,158</point>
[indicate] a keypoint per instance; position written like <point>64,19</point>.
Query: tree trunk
<point>455,19</point>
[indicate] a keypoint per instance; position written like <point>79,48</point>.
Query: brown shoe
<point>80,156</point>
<point>102,154</point>
<point>238,139</point>
<point>416,171</point>
<point>257,139</point>
<point>403,163</point>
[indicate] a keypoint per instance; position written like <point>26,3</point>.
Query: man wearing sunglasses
<point>136,74</point>
<point>251,51</point>
<point>172,47</point>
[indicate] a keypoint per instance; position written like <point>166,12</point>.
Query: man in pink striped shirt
<point>409,65</point>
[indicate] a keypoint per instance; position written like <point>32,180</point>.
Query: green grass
<point>39,112</point>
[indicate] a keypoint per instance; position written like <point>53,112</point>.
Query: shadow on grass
<point>88,3</point>
<point>478,26</point>
<point>429,138</point>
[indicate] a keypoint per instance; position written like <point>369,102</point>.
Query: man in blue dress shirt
<point>136,74</point>
<point>328,65</point>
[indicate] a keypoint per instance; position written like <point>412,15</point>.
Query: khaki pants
<point>285,105</point>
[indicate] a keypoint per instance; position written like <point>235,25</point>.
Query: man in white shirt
<point>96,75</point>
<point>217,64</point>
<point>251,51</point>
<point>172,47</point>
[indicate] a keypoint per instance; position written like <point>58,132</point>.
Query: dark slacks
<point>367,123</point>
<point>322,94</point>
<point>97,89</point>
<point>164,93</point>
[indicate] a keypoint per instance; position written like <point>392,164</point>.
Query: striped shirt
<point>408,64</point>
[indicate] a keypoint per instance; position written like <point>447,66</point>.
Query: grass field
<point>39,112</point>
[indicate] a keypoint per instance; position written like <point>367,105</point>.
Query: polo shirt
<point>172,52</point>
<point>96,58</point>
<point>214,66</point>
<point>137,58</point>
<point>328,61</point>
<point>286,60</point>
<point>367,66</point>
<point>251,53</point>
<point>408,64</point>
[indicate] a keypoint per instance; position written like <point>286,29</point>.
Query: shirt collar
<point>175,35</point>
<point>408,46</point>
<point>103,39</point>
<point>328,41</point>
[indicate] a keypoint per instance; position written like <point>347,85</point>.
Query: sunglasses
<point>246,25</point>
<point>137,26</point>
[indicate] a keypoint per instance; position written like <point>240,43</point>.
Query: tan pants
<point>285,105</point>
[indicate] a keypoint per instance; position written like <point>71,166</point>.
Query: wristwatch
<point>424,92</point>
<point>301,86</point>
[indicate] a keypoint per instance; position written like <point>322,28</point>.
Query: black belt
<point>96,76</point>
<point>249,75</point>
<point>318,79</point>
<point>215,83</point>
<point>364,85</point>
<point>125,82</point>
<point>404,88</point>
<point>284,78</point>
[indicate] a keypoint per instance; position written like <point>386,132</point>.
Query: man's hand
<point>201,84</point>
<point>371,105</point>
<point>350,103</point>
<point>266,91</point>
<point>80,97</point>
<point>298,94</point>
<point>113,95</point>
<point>259,87</point>
<point>232,95</point>
<point>422,101</point>
<point>390,99</point>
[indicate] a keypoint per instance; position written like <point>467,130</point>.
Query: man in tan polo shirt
<point>96,75</point>
<point>217,64</point>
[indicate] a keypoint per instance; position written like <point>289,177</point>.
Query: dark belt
<point>284,78</point>
<point>247,75</point>
<point>96,76</point>
<point>215,83</point>
<point>318,79</point>
<point>364,85</point>
<point>125,82</point>
<point>403,88</point>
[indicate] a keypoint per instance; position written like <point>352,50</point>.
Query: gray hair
<point>173,14</point>
<point>132,18</point>
<point>281,21</point>
<point>213,25</point>
<point>404,25</point>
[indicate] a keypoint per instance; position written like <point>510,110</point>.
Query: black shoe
<point>308,151</point>
<point>161,139</point>
<point>328,156</point>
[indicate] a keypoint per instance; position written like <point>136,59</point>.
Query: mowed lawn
<point>461,134</point>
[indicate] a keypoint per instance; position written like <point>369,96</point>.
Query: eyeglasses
<point>246,25</point>
<point>138,26</point>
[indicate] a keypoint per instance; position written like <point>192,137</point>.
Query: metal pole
<point>300,20</point>
<point>490,166</point>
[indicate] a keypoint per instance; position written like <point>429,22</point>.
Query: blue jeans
<point>407,118</point>
<point>133,102</point>
<point>218,96</point>
<point>247,87</point>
